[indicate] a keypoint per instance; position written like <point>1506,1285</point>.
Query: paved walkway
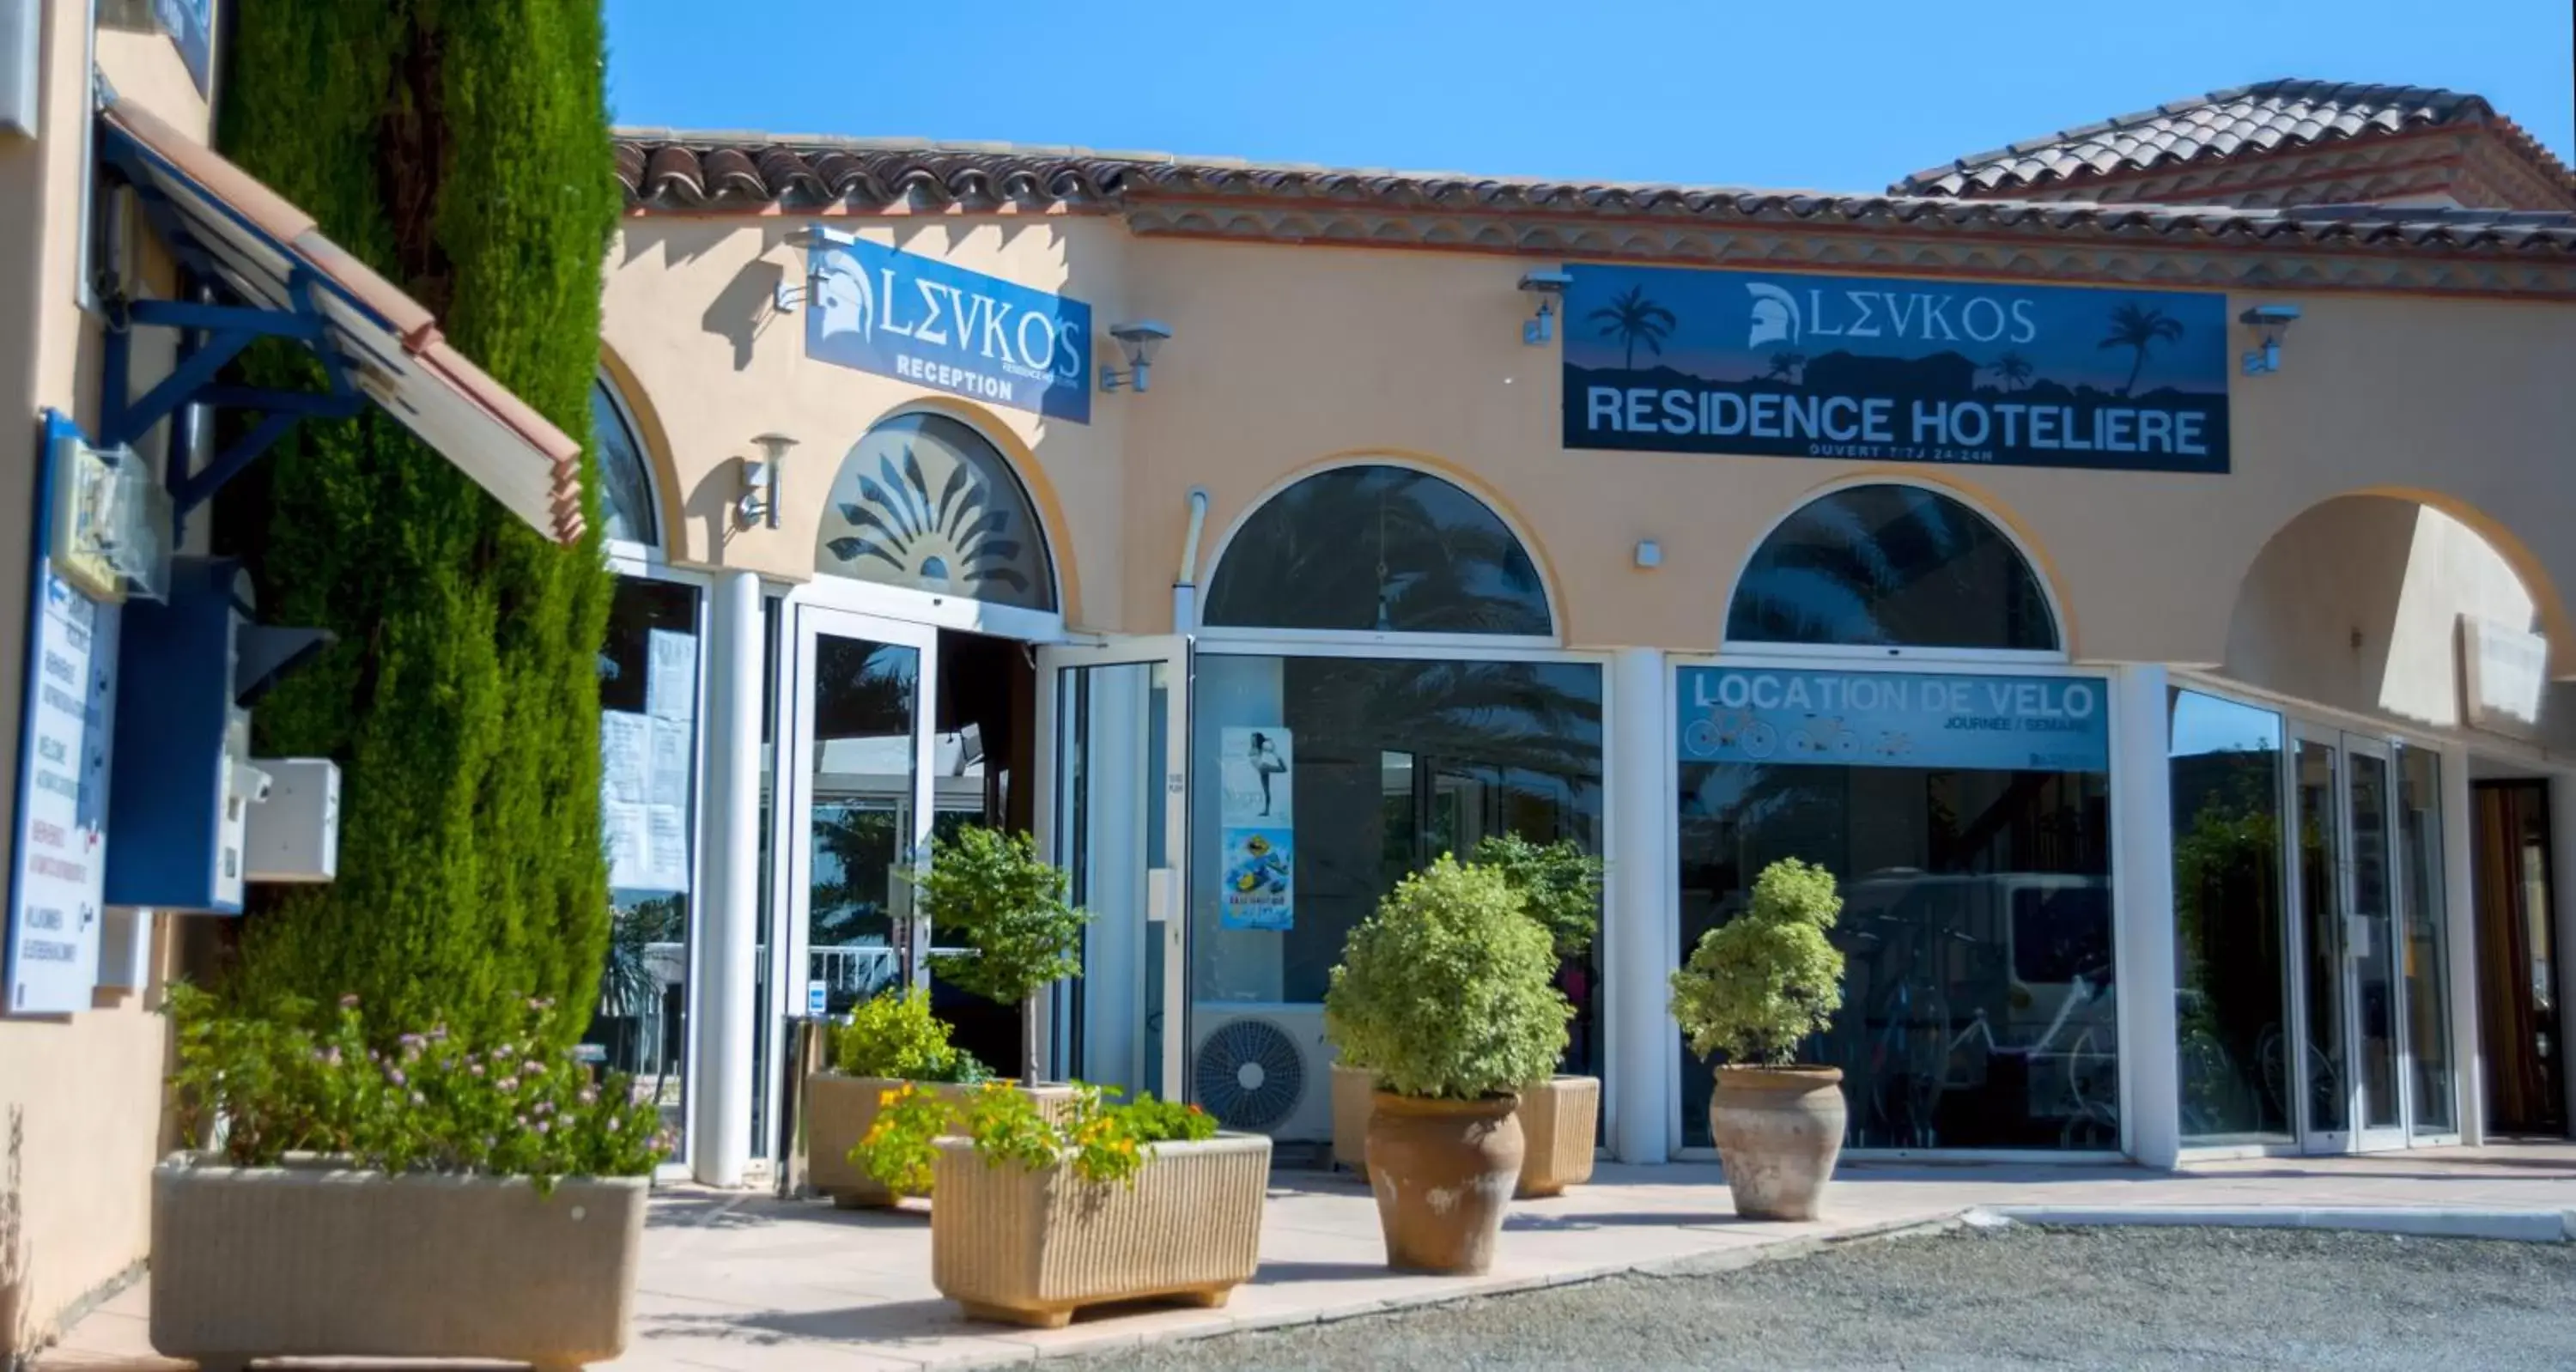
<point>744,1282</point>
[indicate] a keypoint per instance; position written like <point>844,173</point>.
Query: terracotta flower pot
<point>1443,1172</point>
<point>840,1110</point>
<point>1778,1131</point>
<point>1354,1092</point>
<point>1560,1126</point>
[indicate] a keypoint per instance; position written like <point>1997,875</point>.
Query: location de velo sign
<point>1888,719</point>
<point>57,877</point>
<point>880,309</point>
<point>1672,359</point>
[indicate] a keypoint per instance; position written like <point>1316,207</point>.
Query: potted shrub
<point>1560,887</point>
<point>412,1197</point>
<point>1445,994</point>
<point>890,1039</point>
<point>993,894</point>
<point>1754,989</point>
<point>1039,1216</point>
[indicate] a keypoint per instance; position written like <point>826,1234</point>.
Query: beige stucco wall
<point>80,1095</point>
<point>1287,357</point>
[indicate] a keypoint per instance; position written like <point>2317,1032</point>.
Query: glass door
<point>2370,943</point>
<point>1114,812</point>
<point>2316,863</point>
<point>858,809</point>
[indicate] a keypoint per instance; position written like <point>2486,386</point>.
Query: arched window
<point>1891,566</point>
<point>926,503</point>
<point>626,512</point>
<point>1384,549</point>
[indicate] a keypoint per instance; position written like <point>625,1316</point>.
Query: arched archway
<point>2358,602</point>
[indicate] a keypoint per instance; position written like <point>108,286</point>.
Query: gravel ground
<point>2012,1298</point>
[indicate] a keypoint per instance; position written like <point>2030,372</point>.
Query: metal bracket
<point>211,336</point>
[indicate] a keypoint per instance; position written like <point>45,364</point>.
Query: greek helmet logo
<point>846,303</point>
<point>1776,318</point>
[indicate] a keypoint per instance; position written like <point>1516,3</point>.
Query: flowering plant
<point>1100,1141</point>
<point>289,1080</point>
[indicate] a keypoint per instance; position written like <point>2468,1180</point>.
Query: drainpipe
<point>1185,587</point>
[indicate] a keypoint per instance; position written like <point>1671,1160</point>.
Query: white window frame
<point>1970,663</point>
<point>651,551</point>
<point>1904,653</point>
<point>882,598</point>
<point>1451,648</point>
<point>645,564</point>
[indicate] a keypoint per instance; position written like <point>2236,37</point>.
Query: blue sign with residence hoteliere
<point>1668,359</point>
<point>1894,719</point>
<point>880,309</point>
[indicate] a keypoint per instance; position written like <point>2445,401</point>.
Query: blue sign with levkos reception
<point>1667,359</point>
<point>1894,719</point>
<point>880,309</point>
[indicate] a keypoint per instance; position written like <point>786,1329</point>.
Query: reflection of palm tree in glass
<point>1442,562</point>
<point>2012,369</point>
<point>1633,319</point>
<point>2140,329</point>
<point>1889,564</point>
<point>1787,365</point>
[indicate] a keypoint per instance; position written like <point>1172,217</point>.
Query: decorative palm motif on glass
<point>925,502</point>
<point>1384,549</point>
<point>1887,566</point>
<point>625,491</point>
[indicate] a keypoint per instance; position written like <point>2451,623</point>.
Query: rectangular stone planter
<point>312,1259</point>
<point>840,1110</point>
<point>1031,1247</point>
<point>1560,1126</point>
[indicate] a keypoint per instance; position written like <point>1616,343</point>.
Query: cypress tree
<point>459,147</point>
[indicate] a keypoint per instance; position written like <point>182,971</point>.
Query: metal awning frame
<point>212,334</point>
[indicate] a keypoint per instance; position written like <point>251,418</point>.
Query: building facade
<point>2151,611</point>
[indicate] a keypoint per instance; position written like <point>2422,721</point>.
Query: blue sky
<point>1844,95</point>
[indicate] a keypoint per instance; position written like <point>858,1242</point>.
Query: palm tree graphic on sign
<point>1787,365</point>
<point>1633,319</point>
<point>2139,329</point>
<point>2012,369</point>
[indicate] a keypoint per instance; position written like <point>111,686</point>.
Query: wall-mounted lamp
<point>1547,285</point>
<point>759,502</point>
<point>1139,341</point>
<point>808,288</point>
<point>2268,322</point>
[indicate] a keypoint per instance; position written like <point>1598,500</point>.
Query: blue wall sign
<point>1894,719</point>
<point>58,855</point>
<point>880,309</point>
<point>1669,359</point>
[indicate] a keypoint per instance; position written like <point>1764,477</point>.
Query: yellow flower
<point>886,1098</point>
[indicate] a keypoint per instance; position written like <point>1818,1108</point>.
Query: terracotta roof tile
<point>679,172</point>
<point>2269,116</point>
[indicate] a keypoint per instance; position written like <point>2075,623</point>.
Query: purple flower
<point>501,1052</point>
<point>419,1099</point>
<point>349,1002</point>
<point>331,1055</point>
<point>589,1095</point>
<point>544,1125</point>
<point>395,1075</point>
<point>507,1084</point>
<point>545,1107</point>
<point>474,1067</point>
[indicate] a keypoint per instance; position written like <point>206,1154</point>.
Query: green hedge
<point>460,147</point>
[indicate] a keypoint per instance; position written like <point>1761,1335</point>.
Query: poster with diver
<point>1258,813</point>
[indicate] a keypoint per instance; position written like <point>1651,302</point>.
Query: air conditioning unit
<point>1263,1068</point>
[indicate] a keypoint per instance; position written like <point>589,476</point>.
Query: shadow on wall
<point>745,308</point>
<point>2357,604</point>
